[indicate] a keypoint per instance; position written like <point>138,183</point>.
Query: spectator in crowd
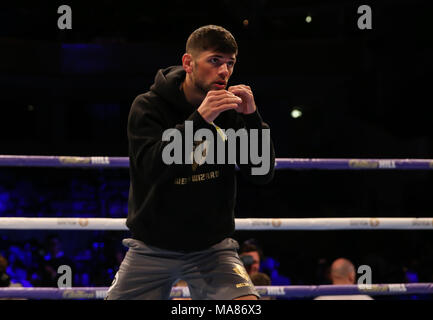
<point>53,259</point>
<point>251,255</point>
<point>261,279</point>
<point>342,272</point>
<point>5,280</point>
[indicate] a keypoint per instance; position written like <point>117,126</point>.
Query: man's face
<point>254,268</point>
<point>212,70</point>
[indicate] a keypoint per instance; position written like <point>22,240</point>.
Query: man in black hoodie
<point>181,215</point>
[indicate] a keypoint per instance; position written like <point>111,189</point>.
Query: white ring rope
<point>241,224</point>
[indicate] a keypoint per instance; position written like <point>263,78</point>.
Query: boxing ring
<point>273,224</point>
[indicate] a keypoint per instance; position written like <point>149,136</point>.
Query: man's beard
<point>201,87</point>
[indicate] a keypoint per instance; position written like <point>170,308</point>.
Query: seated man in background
<point>50,262</point>
<point>251,256</point>
<point>261,279</point>
<point>343,273</point>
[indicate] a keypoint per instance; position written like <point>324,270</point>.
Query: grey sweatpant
<point>148,272</point>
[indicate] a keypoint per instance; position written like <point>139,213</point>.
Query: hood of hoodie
<point>167,86</point>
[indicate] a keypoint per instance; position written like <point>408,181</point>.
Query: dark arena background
<point>327,89</point>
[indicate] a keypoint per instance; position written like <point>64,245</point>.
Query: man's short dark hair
<point>251,246</point>
<point>260,279</point>
<point>211,37</point>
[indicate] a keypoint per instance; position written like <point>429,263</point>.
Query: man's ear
<point>187,62</point>
<point>352,277</point>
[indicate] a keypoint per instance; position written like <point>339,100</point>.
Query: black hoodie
<point>180,207</point>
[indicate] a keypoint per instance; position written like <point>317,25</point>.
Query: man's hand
<point>217,101</point>
<point>248,105</point>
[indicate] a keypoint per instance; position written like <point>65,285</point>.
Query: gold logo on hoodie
<point>240,271</point>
